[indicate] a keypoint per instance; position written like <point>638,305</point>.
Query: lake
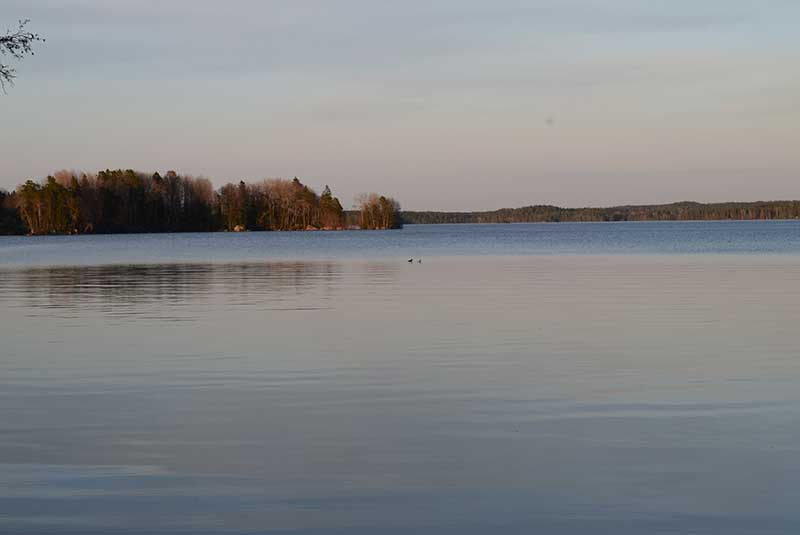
<point>574,378</point>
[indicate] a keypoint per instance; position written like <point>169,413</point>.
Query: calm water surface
<point>717,237</point>
<point>566,379</point>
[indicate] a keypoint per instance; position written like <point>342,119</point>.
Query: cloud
<point>247,37</point>
<point>405,94</point>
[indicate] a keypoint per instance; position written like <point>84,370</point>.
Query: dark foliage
<point>681,211</point>
<point>128,201</point>
<point>10,223</point>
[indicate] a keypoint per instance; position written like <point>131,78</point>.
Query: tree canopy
<point>124,200</point>
<point>680,211</point>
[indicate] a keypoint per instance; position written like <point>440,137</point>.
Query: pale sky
<point>449,104</point>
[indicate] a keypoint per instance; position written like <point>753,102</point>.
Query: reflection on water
<point>461,395</point>
<point>662,237</point>
<point>141,290</point>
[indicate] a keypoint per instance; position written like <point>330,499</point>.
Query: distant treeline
<point>129,201</point>
<point>680,211</point>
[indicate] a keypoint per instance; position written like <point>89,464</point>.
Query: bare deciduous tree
<point>378,212</point>
<point>17,45</point>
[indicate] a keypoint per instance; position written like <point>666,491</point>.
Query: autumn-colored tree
<point>378,212</point>
<point>29,199</point>
<point>124,200</point>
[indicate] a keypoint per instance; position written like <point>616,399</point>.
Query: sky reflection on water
<point>624,394</point>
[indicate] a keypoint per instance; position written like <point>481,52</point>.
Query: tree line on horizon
<point>679,211</point>
<point>127,201</point>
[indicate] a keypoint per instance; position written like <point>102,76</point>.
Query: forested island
<point>679,211</point>
<point>119,201</point>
